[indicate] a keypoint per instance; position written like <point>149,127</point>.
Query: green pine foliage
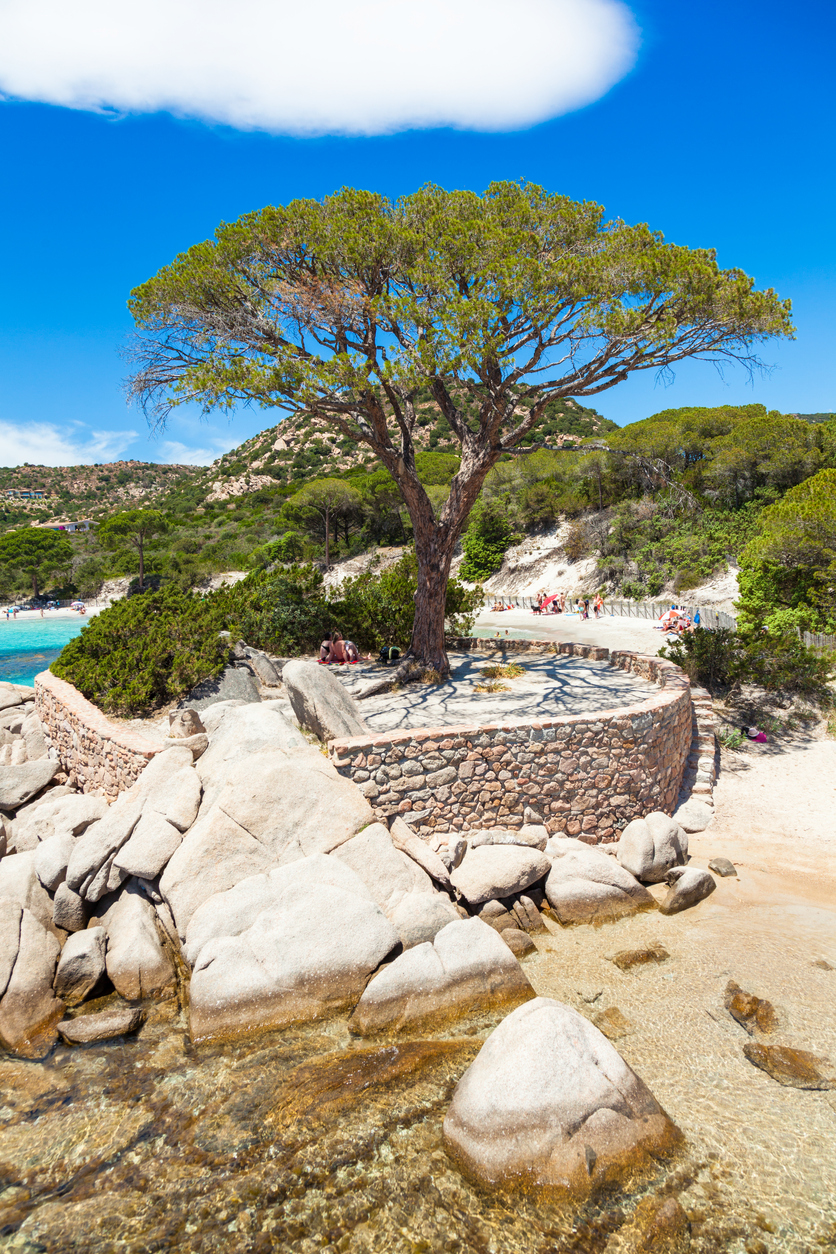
<point>486,540</point>
<point>146,651</point>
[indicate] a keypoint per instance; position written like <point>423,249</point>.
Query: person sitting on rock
<point>326,649</point>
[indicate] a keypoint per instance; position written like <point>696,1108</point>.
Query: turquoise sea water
<point>30,646</point>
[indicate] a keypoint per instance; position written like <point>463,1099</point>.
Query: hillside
<point>303,447</point>
<point>74,492</point>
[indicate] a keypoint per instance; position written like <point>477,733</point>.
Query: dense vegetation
<point>152,648</point>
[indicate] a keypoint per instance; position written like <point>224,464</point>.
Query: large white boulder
<point>88,871</point>
<point>388,873</point>
<point>81,965</point>
<point>232,912</point>
<point>150,846</point>
<point>305,956</point>
<point>550,1105</point>
<point>29,1010</point>
<point>51,859</point>
<point>694,815</point>
<point>492,871</point>
<point>19,883</point>
<point>585,885</point>
<point>320,702</point>
<point>649,847</point>
<point>467,967</point>
<point>419,917</point>
<point>25,780</point>
<point>274,808</point>
<point>171,786</point>
<point>137,962</point>
<point>236,735</point>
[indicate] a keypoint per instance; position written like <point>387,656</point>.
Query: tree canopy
<point>788,572</point>
<point>38,552</point>
<point>498,304</point>
<point>133,527</point>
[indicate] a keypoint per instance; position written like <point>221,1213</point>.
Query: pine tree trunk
<point>327,538</point>
<point>434,548</point>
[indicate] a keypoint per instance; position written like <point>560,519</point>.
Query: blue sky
<point>720,133</point>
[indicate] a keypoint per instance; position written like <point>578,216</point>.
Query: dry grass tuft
<point>511,671</point>
<point>493,685</point>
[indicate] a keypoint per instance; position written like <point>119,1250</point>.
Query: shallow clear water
<point>308,1140</point>
<point>31,645</point>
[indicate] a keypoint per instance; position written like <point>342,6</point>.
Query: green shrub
<point>719,659</point>
<point>710,658</point>
<point>285,612</point>
<point>378,608</point>
<point>146,651</point>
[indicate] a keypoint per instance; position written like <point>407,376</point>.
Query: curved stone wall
<point>99,756</point>
<point>585,775</point>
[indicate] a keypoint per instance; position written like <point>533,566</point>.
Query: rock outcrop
<point>651,846</point>
<point>585,885</point>
<point>29,1010</point>
<point>320,702</point>
<point>491,871</point>
<point>550,1106</point>
<point>468,967</point>
<point>305,955</point>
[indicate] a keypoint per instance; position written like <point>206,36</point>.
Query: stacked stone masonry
<point>97,755</point>
<point>586,775</point>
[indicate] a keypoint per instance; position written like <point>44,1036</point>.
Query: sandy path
<point>611,632</point>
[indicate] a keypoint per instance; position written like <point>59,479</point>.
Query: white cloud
<point>175,453</point>
<point>45,444</point>
<point>320,66</point>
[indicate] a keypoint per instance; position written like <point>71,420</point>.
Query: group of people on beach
<point>559,603</point>
<point>335,648</point>
<point>675,621</point>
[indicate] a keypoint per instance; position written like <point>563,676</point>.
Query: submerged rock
<point>466,968</point>
<point>749,1011</point>
<point>85,1029</point>
<point>612,1023</point>
<point>626,959</point>
<point>320,702</point>
<point>550,1105</point>
<point>795,1068</point>
<point>493,871</point>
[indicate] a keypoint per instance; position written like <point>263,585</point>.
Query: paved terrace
<point>551,686</point>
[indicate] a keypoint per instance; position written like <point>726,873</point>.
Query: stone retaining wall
<point>99,756</point>
<point>586,775</point>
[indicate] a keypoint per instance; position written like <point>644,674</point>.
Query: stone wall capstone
<point>585,775</point>
<point>99,756</point>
